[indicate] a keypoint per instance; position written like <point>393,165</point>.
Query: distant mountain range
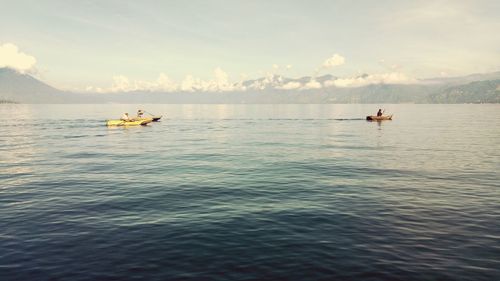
<point>476,88</point>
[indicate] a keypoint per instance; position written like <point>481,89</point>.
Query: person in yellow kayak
<point>125,117</point>
<point>140,113</point>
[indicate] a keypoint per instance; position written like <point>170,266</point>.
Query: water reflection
<point>18,147</point>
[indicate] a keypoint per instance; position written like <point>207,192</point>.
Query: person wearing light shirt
<point>125,117</point>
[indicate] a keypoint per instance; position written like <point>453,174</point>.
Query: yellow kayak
<point>135,122</point>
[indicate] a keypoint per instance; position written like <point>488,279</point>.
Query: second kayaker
<point>379,113</point>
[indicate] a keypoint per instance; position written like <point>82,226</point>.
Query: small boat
<point>379,118</point>
<point>136,122</point>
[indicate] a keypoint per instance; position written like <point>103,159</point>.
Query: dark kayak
<point>378,118</point>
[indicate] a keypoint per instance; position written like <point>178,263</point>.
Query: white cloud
<point>290,86</point>
<point>382,78</point>
<point>220,83</point>
<point>188,84</point>
<point>10,56</point>
<point>312,84</point>
<point>164,83</point>
<point>121,83</point>
<point>124,84</point>
<point>335,60</point>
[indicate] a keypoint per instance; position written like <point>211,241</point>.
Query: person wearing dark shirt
<point>379,113</point>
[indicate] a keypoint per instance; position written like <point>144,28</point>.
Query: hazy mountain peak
<point>22,87</point>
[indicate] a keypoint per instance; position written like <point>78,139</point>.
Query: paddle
<point>149,113</point>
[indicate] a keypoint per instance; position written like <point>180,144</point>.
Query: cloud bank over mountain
<point>369,79</point>
<point>476,88</point>
<point>221,81</point>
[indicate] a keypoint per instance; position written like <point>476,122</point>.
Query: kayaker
<point>140,112</point>
<point>125,117</point>
<point>379,113</point>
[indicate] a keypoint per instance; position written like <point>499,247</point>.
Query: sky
<point>109,45</point>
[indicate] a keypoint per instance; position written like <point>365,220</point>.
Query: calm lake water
<point>250,192</point>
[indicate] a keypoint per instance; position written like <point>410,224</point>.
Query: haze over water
<point>250,192</point>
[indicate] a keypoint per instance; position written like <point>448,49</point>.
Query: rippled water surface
<point>250,192</point>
